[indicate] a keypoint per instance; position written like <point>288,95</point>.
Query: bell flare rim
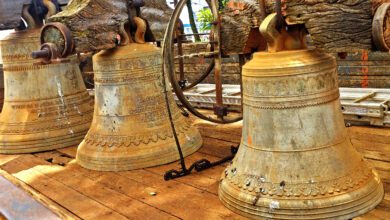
<point>62,143</point>
<point>346,209</point>
<point>142,157</point>
<point>134,162</point>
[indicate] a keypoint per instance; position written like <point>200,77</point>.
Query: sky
<point>196,6</point>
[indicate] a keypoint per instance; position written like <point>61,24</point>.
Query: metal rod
<point>217,57</point>
<point>201,54</point>
<point>168,55</point>
<point>40,54</point>
<point>180,53</point>
<point>182,161</point>
<point>370,95</point>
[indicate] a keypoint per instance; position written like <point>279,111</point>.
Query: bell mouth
<point>344,206</point>
<point>295,160</point>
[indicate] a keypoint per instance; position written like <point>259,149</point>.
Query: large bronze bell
<point>45,106</point>
<point>295,160</point>
<point>130,127</point>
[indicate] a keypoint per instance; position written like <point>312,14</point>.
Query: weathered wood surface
<point>94,23</point>
<point>365,70</point>
<point>335,26</point>
<point>240,21</point>
<point>194,67</point>
<point>358,70</point>
<point>129,195</point>
<point>157,13</point>
<point>339,26</point>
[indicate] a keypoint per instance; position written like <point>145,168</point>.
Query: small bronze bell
<point>295,160</point>
<point>130,127</point>
<point>45,106</point>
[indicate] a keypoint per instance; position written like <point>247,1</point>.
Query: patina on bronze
<point>131,127</point>
<point>45,106</point>
<point>295,160</point>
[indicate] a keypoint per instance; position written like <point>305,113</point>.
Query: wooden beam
<point>94,23</point>
<point>335,26</point>
<point>157,13</point>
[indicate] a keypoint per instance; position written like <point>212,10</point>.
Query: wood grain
<point>121,195</point>
<point>335,26</point>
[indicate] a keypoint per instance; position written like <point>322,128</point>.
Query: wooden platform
<point>78,193</point>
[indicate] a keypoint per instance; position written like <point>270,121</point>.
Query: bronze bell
<point>295,160</point>
<point>45,106</point>
<point>130,127</point>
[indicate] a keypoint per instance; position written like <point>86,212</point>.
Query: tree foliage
<point>205,17</point>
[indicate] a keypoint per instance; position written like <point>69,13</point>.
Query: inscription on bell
<point>131,129</point>
<point>295,151</point>
<point>45,106</point>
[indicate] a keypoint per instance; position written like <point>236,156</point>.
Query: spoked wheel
<point>220,110</point>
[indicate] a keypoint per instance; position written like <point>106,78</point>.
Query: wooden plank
<point>380,165</point>
<point>193,196</point>
<point>375,155</point>
<point>364,81</point>
<point>374,69</point>
<point>70,151</point>
<point>217,148</point>
<point>55,157</point>
<point>206,180</point>
<point>364,143</point>
<point>172,196</point>
<point>46,202</point>
<point>73,178</point>
<point>376,214</point>
<point>139,183</point>
<point>185,201</point>
<point>6,158</point>
<point>385,204</point>
<point>385,176</point>
<point>81,205</point>
<point>221,135</point>
<point>370,134</point>
<point>14,166</point>
<point>123,204</point>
